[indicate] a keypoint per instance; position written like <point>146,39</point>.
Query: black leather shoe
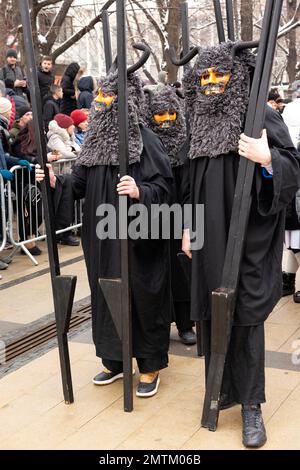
<point>296,296</point>
<point>187,337</point>
<point>225,402</point>
<point>288,283</point>
<point>68,240</point>
<point>254,432</point>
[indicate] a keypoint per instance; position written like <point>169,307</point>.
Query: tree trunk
<point>291,40</point>
<point>173,29</point>
<point>246,13</point>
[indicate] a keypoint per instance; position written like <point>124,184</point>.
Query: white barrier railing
<point>25,220</point>
<point>3,234</point>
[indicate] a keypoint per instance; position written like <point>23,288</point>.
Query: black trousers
<point>145,365</point>
<point>182,316</point>
<point>244,372</point>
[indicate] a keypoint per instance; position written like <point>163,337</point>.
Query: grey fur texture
<point>100,145</point>
<point>217,120</point>
<point>173,138</point>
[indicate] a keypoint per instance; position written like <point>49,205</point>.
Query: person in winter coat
<point>11,71</point>
<point>23,117</point>
<point>80,120</point>
<point>86,86</point>
<point>45,76</point>
<point>69,102</point>
<point>61,136</point>
<point>52,105</point>
<point>17,101</point>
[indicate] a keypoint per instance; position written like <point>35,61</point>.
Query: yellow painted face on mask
<point>214,81</point>
<point>165,119</point>
<point>104,99</point>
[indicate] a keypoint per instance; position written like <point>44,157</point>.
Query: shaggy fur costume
<point>100,145</point>
<point>217,120</point>
<point>166,99</point>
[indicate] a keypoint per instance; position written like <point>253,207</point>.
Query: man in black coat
<point>217,91</point>
<point>12,72</point>
<point>164,114</point>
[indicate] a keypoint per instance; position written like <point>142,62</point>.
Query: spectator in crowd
<point>69,102</point>
<point>25,143</point>
<point>61,136</point>
<point>291,116</point>
<point>6,160</point>
<point>3,92</point>
<point>12,72</point>
<point>52,104</point>
<point>16,100</point>
<point>80,120</point>
<point>24,115</point>
<point>45,76</point>
<point>86,87</point>
<point>275,100</point>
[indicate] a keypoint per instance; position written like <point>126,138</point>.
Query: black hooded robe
<point>150,279</point>
<point>212,183</point>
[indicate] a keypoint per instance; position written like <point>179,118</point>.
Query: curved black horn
<point>113,66</point>
<point>142,60</point>
<point>149,93</point>
<point>184,59</point>
<point>239,46</point>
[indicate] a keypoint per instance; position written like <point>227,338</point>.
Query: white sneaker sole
<point>149,394</point>
<point>110,381</point>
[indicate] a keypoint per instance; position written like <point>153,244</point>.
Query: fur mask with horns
<point>217,119</point>
<point>173,136</point>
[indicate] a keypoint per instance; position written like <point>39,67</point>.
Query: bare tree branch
<point>73,39</point>
<point>157,63</point>
<point>57,23</point>
<point>152,21</point>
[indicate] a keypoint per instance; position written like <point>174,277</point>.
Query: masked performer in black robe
<point>217,90</point>
<point>95,178</point>
<point>164,114</point>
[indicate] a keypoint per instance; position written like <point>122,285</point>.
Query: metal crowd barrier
<point>3,235</point>
<point>25,220</point>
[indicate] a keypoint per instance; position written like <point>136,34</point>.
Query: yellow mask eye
<point>165,116</point>
<point>104,98</point>
<point>214,80</point>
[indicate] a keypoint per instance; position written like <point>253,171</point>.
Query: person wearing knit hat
<point>24,115</point>
<point>61,136</point>
<point>12,53</point>
<point>63,120</point>
<point>5,107</point>
<point>81,124</point>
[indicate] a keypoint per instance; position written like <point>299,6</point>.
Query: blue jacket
<point>86,87</point>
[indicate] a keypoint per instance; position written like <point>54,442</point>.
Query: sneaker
<point>6,260</point>
<point>3,265</point>
<point>187,337</point>
<point>68,240</point>
<point>35,251</point>
<point>148,385</point>
<point>107,377</point>
<point>254,432</point>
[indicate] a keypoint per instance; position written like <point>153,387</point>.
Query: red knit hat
<point>78,116</point>
<point>63,120</point>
